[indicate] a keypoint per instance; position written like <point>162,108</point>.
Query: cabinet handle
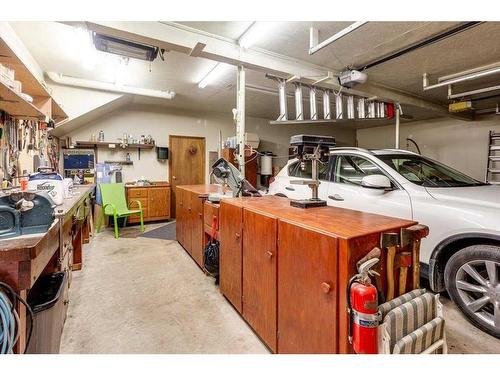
<point>199,214</point>
<point>269,254</point>
<point>174,178</point>
<point>237,235</point>
<point>325,287</point>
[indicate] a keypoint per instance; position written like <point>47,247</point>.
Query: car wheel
<point>472,278</point>
<point>280,195</point>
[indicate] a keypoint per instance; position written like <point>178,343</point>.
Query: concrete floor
<point>142,295</point>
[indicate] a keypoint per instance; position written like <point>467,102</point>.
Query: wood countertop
<point>155,184</point>
<point>28,247</point>
<point>201,189</point>
<point>334,221</point>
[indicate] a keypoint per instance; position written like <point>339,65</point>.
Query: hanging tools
<point>390,242</point>
<point>412,236</point>
<point>374,253</point>
<point>402,262</point>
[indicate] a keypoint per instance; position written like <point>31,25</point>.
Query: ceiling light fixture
<point>217,71</point>
<point>253,33</point>
<point>122,47</point>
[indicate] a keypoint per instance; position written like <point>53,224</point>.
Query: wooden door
<point>159,203</point>
<point>307,284</point>
<point>186,162</point>
<point>259,274</point>
<point>197,230</point>
<point>230,259</point>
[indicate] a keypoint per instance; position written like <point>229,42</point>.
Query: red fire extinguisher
<point>363,310</point>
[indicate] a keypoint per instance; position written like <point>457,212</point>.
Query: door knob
<point>325,287</point>
<point>174,178</point>
<point>269,254</point>
<point>335,197</point>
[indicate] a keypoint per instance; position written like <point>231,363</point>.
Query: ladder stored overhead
<point>493,163</point>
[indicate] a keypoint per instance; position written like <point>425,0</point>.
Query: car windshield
<point>427,172</point>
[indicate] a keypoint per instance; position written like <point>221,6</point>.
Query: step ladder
<point>493,163</point>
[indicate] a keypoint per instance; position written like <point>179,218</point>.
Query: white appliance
<point>49,182</point>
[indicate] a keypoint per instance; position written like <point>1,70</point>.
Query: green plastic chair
<point>114,204</point>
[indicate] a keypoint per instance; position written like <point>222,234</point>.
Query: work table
<point>24,259</point>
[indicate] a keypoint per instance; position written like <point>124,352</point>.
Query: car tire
<point>280,195</point>
<point>472,279</point>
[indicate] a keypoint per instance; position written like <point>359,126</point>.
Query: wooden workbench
<point>286,269</point>
<point>24,259</point>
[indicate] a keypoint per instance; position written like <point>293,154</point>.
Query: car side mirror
<point>376,181</point>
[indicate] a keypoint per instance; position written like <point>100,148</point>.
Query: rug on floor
<point>165,232</point>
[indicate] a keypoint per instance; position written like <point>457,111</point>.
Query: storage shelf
<point>87,144</point>
<point>31,85</point>
<point>12,103</point>
<point>121,162</point>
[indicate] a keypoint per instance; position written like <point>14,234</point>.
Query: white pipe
<point>397,126</point>
<point>333,38</point>
<point>469,71</point>
<point>473,92</point>
<point>104,86</point>
<point>240,119</point>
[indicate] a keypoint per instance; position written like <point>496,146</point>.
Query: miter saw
<point>231,181</point>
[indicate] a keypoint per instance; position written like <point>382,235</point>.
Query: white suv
<point>461,253</point>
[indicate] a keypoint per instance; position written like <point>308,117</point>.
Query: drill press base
<point>307,203</point>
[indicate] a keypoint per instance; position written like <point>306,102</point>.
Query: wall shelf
<point>117,146</point>
<point>121,162</point>
<point>12,103</point>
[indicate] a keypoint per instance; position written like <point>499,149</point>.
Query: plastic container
<point>48,301</point>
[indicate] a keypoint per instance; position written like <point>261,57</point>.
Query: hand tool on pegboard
<point>390,242</point>
<point>412,236</point>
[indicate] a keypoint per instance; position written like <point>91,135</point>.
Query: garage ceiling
<point>51,44</point>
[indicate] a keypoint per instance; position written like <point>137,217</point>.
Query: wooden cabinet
<point>307,283</point>
<point>155,201</point>
<point>190,228</point>
<point>259,276</point>
<point>290,268</point>
<point>230,256</point>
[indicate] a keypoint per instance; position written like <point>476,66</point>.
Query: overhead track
<point>423,43</point>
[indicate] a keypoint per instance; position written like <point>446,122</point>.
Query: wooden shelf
<point>31,85</point>
<point>87,144</point>
<point>16,106</point>
<point>121,162</point>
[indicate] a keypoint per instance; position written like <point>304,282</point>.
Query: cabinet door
<point>181,217</point>
<point>230,260</point>
<point>307,284</point>
<point>259,274</point>
<point>197,230</point>
<point>159,203</point>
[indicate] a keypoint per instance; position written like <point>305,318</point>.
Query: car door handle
<point>289,188</point>
<point>335,197</point>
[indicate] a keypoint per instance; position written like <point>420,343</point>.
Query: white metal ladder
<point>493,163</point>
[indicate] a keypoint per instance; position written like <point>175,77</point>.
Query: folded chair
<point>412,324</point>
<point>114,204</point>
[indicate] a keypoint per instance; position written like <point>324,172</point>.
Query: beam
<point>314,44</point>
<point>179,38</point>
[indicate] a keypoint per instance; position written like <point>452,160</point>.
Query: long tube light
<point>213,75</point>
<point>467,77</point>
<point>90,84</point>
<point>474,92</point>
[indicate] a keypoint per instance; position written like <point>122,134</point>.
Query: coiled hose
<point>9,319</point>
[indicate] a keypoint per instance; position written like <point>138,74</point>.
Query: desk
<point>24,259</point>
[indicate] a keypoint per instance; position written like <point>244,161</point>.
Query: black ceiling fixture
<point>123,47</point>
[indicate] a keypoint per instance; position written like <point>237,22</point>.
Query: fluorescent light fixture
<point>217,71</point>
<point>254,32</point>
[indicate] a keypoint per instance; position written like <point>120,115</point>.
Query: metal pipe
<point>283,101</point>
<point>299,110</point>
<point>327,115</point>
<point>240,118</point>
<point>350,107</point>
<point>312,103</point>
<point>468,71</point>
<point>473,92</point>
<point>467,77</point>
<point>314,47</point>
<point>397,126</point>
<point>339,112</point>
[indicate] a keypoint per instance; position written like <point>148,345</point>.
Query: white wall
<point>160,122</point>
<point>459,144</point>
